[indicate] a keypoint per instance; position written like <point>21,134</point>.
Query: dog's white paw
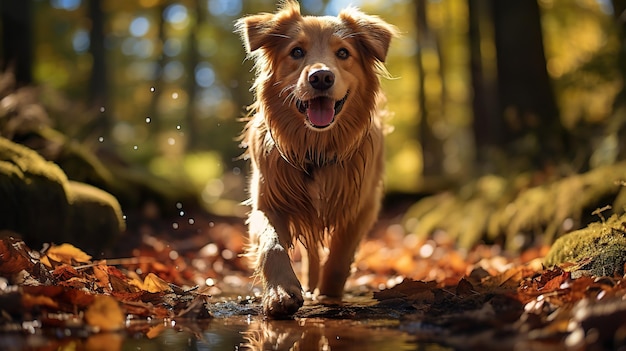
<point>282,301</point>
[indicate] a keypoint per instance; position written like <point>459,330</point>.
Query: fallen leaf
<point>65,253</point>
<point>30,301</point>
<point>64,272</point>
<point>154,284</point>
<point>508,280</point>
<point>406,288</point>
<point>101,272</point>
<point>155,331</point>
<point>13,256</point>
<point>105,314</point>
<point>464,288</point>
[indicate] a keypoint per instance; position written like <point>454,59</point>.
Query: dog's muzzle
<point>321,111</point>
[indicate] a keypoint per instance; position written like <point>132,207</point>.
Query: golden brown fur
<point>313,179</point>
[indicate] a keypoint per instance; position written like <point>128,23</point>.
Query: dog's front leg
<point>282,292</point>
<point>343,246</point>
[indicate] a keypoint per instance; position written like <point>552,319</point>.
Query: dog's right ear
<point>254,30</point>
<point>257,31</point>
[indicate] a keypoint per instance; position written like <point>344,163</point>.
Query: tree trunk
<point>98,83</point>
<point>487,121</point>
<point>526,100</point>
<point>431,145</point>
<point>619,105</point>
<point>192,87</point>
<point>17,39</point>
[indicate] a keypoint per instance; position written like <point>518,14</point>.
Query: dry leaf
<point>105,314</point>
<point>408,287</point>
<point>13,256</point>
<point>101,272</point>
<point>505,281</point>
<point>30,301</point>
<point>65,253</point>
<point>154,284</point>
<point>155,331</point>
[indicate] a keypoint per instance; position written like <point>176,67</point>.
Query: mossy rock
<point>39,203</point>
<point>95,217</point>
<point>597,250</point>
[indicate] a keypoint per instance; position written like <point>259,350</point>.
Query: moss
<point>598,250</point>
<point>33,192</point>
<point>95,217</point>
<point>39,203</point>
<point>497,209</point>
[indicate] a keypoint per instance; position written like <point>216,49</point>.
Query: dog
<point>315,142</point>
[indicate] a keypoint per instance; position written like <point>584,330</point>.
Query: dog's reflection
<point>287,335</point>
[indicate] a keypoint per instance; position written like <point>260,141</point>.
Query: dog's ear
<point>372,31</point>
<point>256,30</point>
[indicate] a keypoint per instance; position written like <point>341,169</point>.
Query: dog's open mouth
<point>321,111</point>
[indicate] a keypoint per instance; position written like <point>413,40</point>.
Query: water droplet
<point>101,108</point>
<point>101,139</point>
<point>179,205</point>
<point>211,224</point>
<point>135,147</point>
<point>236,171</point>
<point>181,213</point>
<point>152,89</point>
<point>178,127</point>
<point>174,95</point>
<point>175,225</point>
<point>191,221</point>
<point>148,120</point>
<point>171,141</point>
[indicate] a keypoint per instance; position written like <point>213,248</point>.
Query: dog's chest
<point>329,191</point>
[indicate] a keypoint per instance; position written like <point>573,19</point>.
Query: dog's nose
<point>321,79</point>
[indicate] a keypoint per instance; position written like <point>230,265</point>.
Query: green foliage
<point>179,65</point>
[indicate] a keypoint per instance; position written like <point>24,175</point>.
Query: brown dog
<point>316,144</point>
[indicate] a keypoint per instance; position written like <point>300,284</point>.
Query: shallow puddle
<point>356,323</point>
<point>232,333</point>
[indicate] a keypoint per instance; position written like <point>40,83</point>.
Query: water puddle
<point>356,323</point>
<point>231,333</point>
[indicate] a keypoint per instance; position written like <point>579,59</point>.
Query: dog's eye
<point>343,53</point>
<point>297,53</point>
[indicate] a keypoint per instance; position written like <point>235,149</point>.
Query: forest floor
<point>183,283</point>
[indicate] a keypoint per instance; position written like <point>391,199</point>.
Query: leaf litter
<point>430,290</point>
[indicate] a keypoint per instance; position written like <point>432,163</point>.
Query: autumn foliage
<point>438,294</point>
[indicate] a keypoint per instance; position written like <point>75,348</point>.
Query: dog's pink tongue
<point>321,111</point>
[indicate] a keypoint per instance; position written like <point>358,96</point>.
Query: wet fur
<point>320,186</point>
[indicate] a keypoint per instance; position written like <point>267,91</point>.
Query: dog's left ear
<point>373,32</point>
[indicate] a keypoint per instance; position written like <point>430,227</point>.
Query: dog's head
<point>317,67</point>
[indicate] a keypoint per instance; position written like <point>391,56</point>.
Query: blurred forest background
<point>480,86</point>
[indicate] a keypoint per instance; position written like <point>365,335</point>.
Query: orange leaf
<point>154,284</point>
<point>506,281</point>
<point>14,256</point>
<point>101,272</point>
<point>30,301</point>
<point>65,253</point>
<point>105,313</point>
<point>155,331</point>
